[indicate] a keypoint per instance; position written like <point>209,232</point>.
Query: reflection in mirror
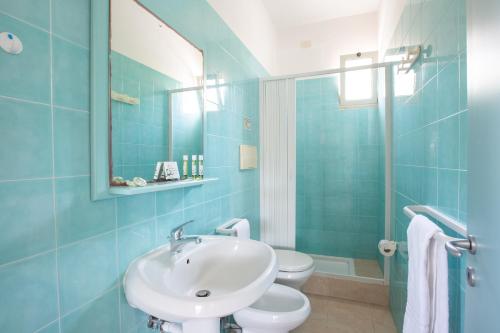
<point>186,118</point>
<point>156,94</point>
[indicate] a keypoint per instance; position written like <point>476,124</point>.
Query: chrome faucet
<point>177,239</point>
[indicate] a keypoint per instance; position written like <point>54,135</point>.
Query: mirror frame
<point>100,92</point>
<point>99,100</point>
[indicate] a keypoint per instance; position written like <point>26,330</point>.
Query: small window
<point>358,87</point>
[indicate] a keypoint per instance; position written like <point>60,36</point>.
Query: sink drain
<point>203,293</point>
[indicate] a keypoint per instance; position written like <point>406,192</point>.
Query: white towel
<point>242,228</point>
<point>427,303</point>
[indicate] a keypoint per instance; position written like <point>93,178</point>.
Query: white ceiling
<point>289,13</point>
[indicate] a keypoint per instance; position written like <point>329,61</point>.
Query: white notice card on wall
<point>248,157</point>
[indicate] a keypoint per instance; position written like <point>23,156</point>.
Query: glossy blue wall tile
<point>134,241</point>
<point>62,256</point>
<point>71,78</point>
<point>30,127</point>
<point>37,13</point>
<point>78,217</point>
<point>430,136</point>
<point>87,269</point>
<point>29,291</point>
<point>137,208</point>
<point>170,201</point>
<point>101,315</point>
<point>71,142</point>
<point>26,75</point>
<point>70,20</point>
<point>339,174</point>
<point>27,221</point>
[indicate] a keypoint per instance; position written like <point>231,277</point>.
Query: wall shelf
<point>157,187</point>
<point>123,98</point>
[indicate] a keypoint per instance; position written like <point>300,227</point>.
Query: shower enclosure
<point>340,176</point>
<point>341,139</point>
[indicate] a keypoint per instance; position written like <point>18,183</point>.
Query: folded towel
<point>427,303</point>
<point>439,278</point>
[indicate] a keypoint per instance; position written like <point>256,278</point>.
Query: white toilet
<point>295,268</point>
<point>283,307</point>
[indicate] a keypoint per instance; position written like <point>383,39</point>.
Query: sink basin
<point>213,279</point>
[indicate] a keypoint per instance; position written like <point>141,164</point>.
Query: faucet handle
<point>178,231</point>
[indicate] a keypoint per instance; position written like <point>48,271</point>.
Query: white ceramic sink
<point>235,271</point>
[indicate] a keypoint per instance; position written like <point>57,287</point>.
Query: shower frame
<point>388,78</point>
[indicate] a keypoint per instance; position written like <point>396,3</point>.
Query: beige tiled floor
<point>368,268</point>
<point>331,315</point>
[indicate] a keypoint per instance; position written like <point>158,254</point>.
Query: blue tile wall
<point>139,133</point>
<point>32,71</point>
<point>62,256</point>
<point>30,126</point>
<point>338,174</point>
<point>430,136</point>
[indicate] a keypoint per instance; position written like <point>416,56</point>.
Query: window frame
<point>346,104</point>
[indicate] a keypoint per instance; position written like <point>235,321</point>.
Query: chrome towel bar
<point>457,246</point>
<point>454,246</point>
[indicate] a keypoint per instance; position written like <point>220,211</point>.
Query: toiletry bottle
<point>158,171</point>
<point>185,159</point>
<point>200,166</point>
<point>194,165</point>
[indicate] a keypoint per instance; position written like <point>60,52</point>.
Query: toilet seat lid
<point>292,261</point>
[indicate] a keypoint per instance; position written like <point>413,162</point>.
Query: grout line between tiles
<point>42,178</point>
<point>22,100</point>
<point>54,206</point>
<point>29,23</point>
<point>47,325</point>
<point>20,260</point>
<point>106,233</point>
<point>71,42</point>
<point>456,114</point>
<point>427,167</point>
<point>67,108</point>
<point>110,289</point>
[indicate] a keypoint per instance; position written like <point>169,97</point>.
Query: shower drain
<point>203,293</point>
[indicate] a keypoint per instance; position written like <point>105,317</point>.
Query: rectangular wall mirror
<point>155,95</point>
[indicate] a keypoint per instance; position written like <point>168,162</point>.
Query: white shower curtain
<point>277,162</point>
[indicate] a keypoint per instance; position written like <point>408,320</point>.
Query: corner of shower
<point>342,174</point>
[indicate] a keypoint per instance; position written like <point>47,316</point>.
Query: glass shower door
<point>340,180</point>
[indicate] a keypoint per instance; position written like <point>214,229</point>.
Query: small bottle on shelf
<point>194,166</point>
<point>185,160</point>
<point>200,166</point>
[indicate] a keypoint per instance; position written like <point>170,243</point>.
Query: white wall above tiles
<point>289,13</point>
<point>251,22</point>
<point>328,40</point>
<point>389,14</point>
<point>333,28</point>
<point>144,38</point>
